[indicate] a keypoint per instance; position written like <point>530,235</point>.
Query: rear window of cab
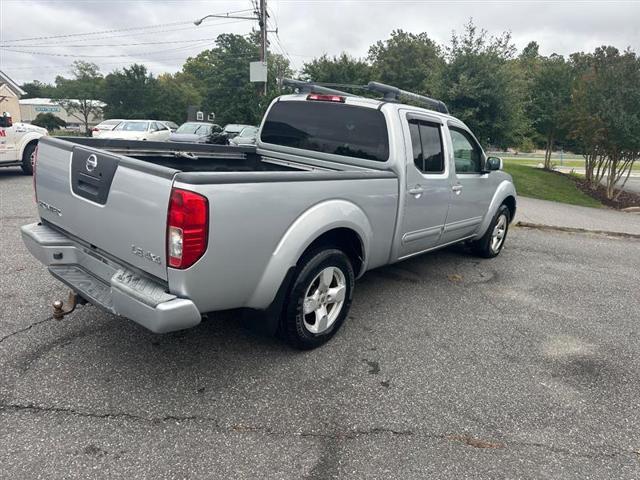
<point>328,127</point>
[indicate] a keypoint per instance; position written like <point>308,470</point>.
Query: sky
<point>161,33</point>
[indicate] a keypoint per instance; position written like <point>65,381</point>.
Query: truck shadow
<point>11,172</point>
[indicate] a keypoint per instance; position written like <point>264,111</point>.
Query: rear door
<point>116,204</point>
<point>427,189</point>
<point>471,189</point>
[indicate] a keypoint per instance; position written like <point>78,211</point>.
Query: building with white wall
<point>31,107</point>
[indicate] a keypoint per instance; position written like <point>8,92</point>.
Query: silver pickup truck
<point>165,233</point>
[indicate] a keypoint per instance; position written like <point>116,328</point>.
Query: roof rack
<point>393,94</point>
<point>389,92</point>
<point>308,87</point>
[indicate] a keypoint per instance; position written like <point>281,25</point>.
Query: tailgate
<point>115,203</point>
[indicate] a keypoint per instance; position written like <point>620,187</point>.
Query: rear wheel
<point>28,157</point>
<point>319,299</point>
<point>491,243</point>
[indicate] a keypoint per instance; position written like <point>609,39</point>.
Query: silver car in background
<point>233,129</point>
<point>248,136</point>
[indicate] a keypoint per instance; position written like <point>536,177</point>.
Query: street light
<point>199,21</point>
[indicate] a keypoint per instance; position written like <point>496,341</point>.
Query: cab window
<point>466,152</point>
<point>426,141</point>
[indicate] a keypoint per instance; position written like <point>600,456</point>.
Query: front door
<point>427,187</point>
<point>470,188</point>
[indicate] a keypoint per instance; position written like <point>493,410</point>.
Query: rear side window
<point>334,128</point>
<point>426,141</point>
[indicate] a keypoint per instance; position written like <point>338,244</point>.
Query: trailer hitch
<point>73,301</point>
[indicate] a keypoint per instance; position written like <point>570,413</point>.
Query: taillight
<point>34,164</point>
<point>95,129</point>
<point>325,98</point>
<point>187,228</point>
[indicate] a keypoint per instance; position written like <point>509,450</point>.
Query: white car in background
<point>105,126</point>
<point>151,130</point>
<point>172,125</point>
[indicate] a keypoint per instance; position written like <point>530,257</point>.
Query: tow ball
<point>58,306</point>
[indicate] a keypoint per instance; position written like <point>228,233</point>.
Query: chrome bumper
<point>107,284</point>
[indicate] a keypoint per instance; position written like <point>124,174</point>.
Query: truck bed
<point>188,157</point>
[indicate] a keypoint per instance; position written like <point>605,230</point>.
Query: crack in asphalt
<point>107,415</point>
<point>25,329</point>
<point>336,435</point>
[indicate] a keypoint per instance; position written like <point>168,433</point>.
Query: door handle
<point>417,190</point>
<point>457,189</point>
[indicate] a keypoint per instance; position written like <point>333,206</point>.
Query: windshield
<point>133,127</point>
<point>233,129</point>
<point>194,128</point>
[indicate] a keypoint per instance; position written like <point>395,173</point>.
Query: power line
<point>93,45</point>
<point>136,54</point>
<point>114,30</point>
<point>139,34</point>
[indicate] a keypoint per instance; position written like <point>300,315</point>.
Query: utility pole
<point>262,16</point>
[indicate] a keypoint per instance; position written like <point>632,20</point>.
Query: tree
<point>480,86</point>
<point>171,95</point>
<point>48,121</point>
<point>37,89</point>
<point>408,61</point>
<point>341,69</point>
<point>130,93</point>
<point>606,108</point>
<point>550,100</point>
<point>78,95</point>
<point>221,74</point>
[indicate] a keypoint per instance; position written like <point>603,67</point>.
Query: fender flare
<point>28,138</point>
<point>310,225</point>
<point>504,190</point>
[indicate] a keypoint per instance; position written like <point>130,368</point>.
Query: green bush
<point>48,121</point>
<point>526,145</point>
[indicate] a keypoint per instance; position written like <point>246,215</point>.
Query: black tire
<point>27,167</point>
<point>483,246</point>
<point>294,323</point>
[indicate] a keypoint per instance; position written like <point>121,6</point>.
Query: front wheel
<point>491,243</point>
<point>319,299</point>
<point>28,157</point>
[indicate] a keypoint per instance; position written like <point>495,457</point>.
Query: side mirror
<point>494,163</point>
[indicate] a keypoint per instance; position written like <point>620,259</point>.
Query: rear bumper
<point>107,284</point>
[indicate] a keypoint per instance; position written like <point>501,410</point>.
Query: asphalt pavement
<point>449,366</point>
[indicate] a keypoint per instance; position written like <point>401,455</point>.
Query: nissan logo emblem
<point>92,163</point>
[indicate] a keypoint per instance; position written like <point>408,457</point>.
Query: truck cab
<point>18,143</point>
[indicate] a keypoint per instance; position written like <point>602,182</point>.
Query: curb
<point>540,226</point>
